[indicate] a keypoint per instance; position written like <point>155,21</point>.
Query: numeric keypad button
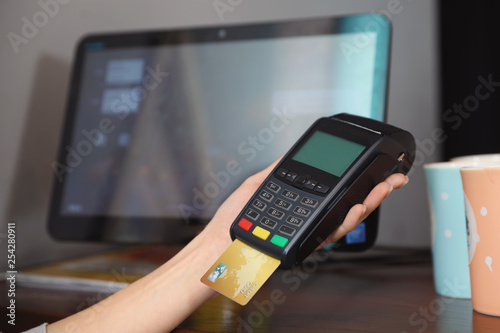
<point>290,195</point>
<point>273,187</point>
<point>283,204</point>
<point>266,195</point>
<point>268,222</point>
<point>302,211</point>
<point>309,202</point>
<point>259,204</point>
<point>287,230</point>
<point>275,213</point>
<point>293,220</point>
<point>252,214</point>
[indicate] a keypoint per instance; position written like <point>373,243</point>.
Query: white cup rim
<point>478,157</point>
<point>481,167</point>
<point>450,164</point>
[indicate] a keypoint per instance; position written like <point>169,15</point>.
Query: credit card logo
<point>240,271</point>
<point>217,272</point>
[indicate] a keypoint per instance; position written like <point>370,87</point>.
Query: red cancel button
<point>245,224</point>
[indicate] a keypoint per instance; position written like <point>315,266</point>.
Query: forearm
<point>155,303</point>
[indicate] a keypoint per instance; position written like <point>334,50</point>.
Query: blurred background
<point>34,83</point>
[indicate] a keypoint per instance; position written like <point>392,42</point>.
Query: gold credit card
<point>240,272</point>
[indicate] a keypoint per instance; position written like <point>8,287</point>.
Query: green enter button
<point>279,241</point>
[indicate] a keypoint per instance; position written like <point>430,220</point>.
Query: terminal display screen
<point>329,153</point>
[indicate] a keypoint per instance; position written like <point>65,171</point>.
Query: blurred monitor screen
<point>161,127</point>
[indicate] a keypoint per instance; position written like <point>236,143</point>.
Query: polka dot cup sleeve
<point>481,187</point>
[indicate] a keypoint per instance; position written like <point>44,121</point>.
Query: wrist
<point>215,239</point>
<point>207,247</point>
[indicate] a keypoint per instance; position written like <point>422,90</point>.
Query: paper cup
<point>449,231</point>
<point>482,204</point>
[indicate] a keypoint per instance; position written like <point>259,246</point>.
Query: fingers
<point>382,191</point>
<point>397,180</point>
<point>359,212</point>
<point>352,219</point>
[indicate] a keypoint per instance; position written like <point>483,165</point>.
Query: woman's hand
<point>218,228</point>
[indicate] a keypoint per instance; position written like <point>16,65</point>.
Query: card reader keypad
<point>278,212</point>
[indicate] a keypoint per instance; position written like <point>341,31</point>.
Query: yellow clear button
<point>261,233</point>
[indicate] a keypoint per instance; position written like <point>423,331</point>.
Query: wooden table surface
<point>384,291</point>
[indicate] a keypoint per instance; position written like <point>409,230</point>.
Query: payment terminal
<point>332,167</point>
